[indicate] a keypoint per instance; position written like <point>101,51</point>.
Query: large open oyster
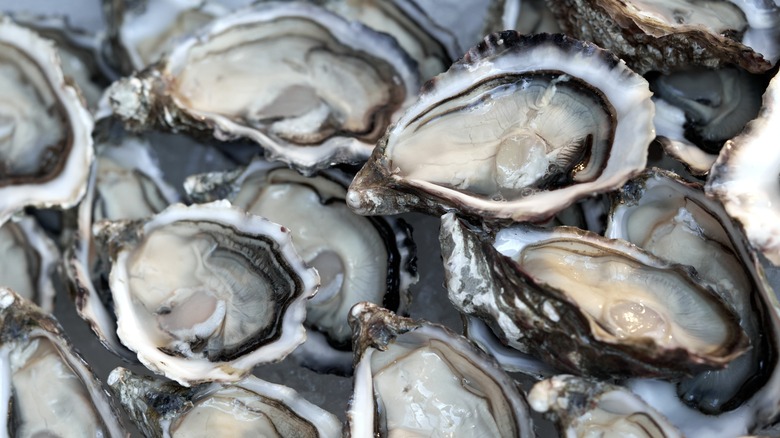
<point>518,129</point>
<point>45,130</point>
<point>543,291</point>
<point>308,86</point>
<point>205,293</point>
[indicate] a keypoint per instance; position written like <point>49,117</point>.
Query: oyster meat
<point>205,293</point>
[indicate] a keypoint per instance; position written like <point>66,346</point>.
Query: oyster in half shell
<point>414,378</point>
<point>45,130</point>
<point>561,294</point>
<point>48,389</point>
<point>251,407</point>
<point>673,34</point>
<point>205,293</point>
<point>308,86</point>
<point>518,129</point>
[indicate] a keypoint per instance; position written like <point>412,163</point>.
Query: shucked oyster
<point>45,130</point>
<point>308,86</point>
<point>673,34</point>
<point>419,379</point>
<point>559,294</point>
<point>48,390</point>
<point>249,408</point>
<point>205,293</point>
<point>518,129</point>
<point>358,258</point>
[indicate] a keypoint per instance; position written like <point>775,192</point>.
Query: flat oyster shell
<point>251,407</point>
<point>46,130</point>
<point>648,43</point>
<point>48,389</point>
<point>577,326</point>
<point>418,378</point>
<point>187,90</point>
<point>441,155</point>
<point>205,293</point>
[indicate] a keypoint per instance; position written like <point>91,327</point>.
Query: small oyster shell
<point>418,378</point>
<point>205,293</point>
<point>582,407</point>
<point>542,291</point>
<point>290,98</point>
<point>48,389</point>
<point>251,407</point>
<point>45,132</point>
<point>485,137</point>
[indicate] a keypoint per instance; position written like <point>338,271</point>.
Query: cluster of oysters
<point>605,174</point>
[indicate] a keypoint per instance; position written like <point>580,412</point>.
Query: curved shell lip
<point>744,177</point>
<point>631,100</point>
<point>334,150</point>
<point>68,187</point>
<point>190,371</point>
<point>669,121</point>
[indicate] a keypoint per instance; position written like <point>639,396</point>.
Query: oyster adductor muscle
<point>518,129</point>
<point>205,293</point>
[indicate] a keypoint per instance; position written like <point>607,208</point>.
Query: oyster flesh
<point>205,293</point>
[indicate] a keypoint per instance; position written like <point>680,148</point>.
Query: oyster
<point>670,35</point>
<point>358,258</point>
<point>125,183</point>
<point>416,379</point>
<point>697,110</point>
<point>674,220</point>
<point>583,407</point>
<point>29,261</point>
<point>542,292</point>
<point>744,178</point>
<point>205,293</point>
<point>48,390</point>
<point>290,98</point>
<point>143,31</point>
<point>486,137</point>
<point>251,407</point>
<point>45,131</point>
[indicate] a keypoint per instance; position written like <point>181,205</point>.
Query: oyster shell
<point>48,390</point>
<point>582,407</point>
<point>542,291</point>
<point>290,98</point>
<point>205,293</point>
<point>744,178</point>
<point>666,36</point>
<point>358,258</point>
<point>45,131</point>
<point>485,137</point>
<point>416,378</point>
<point>251,407</point>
